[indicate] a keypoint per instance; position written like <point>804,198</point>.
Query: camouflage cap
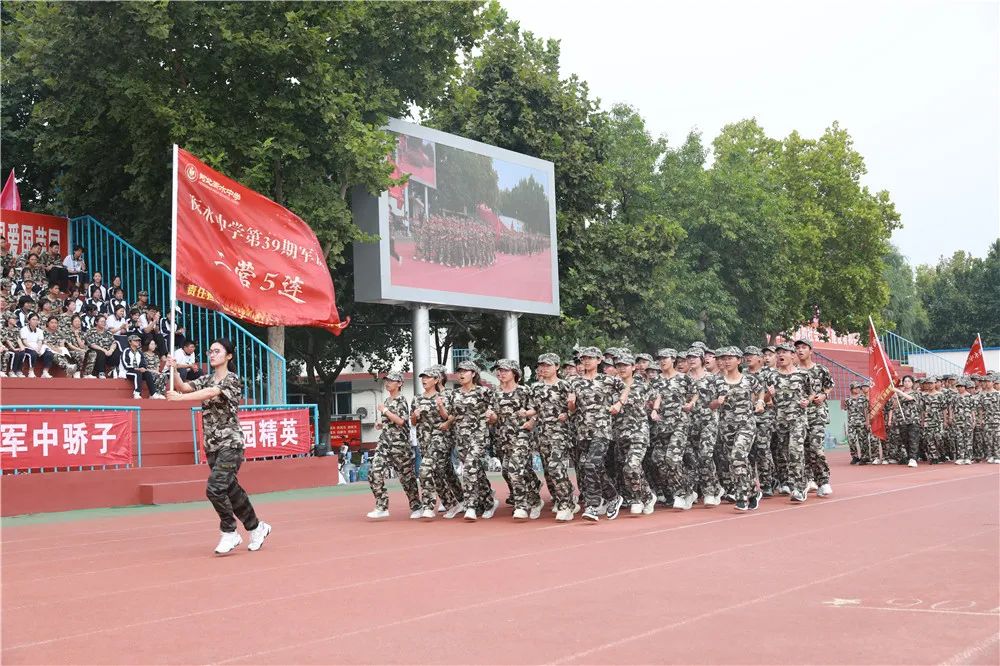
<point>643,357</point>
<point>431,371</point>
<point>468,365</point>
<point>666,352</point>
<point>994,377</point>
<point>803,341</point>
<point>508,364</point>
<point>700,345</point>
<point>752,351</point>
<point>695,352</point>
<point>549,359</point>
<point>947,378</point>
<point>976,378</point>
<point>653,368</point>
<point>709,352</point>
<point>570,362</point>
<point>624,359</point>
<point>393,376</point>
<point>143,292</point>
<point>134,337</point>
<point>592,352</point>
<point>769,348</point>
<point>785,346</point>
<point>735,352</point>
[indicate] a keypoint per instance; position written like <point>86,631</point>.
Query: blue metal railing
<point>920,359</point>
<point>80,408</point>
<point>313,409</point>
<point>842,376</point>
<point>262,368</point>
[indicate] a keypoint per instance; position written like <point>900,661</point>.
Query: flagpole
<point>173,265</point>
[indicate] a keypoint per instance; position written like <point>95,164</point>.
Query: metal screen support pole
<point>421,331</point>
<point>511,347</point>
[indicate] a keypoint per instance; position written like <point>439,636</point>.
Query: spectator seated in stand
<point>76,266</point>
<point>135,368</point>
<point>186,363</point>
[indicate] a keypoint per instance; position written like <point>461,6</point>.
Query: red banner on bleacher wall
<point>267,433</point>
<point>37,440</point>
<point>22,229</point>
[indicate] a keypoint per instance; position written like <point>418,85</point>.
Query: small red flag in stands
<point>880,371</point>
<point>10,198</point>
<point>243,254</point>
<point>975,364</point>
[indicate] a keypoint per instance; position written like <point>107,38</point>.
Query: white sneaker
<point>996,461</point>
<point>46,375</point>
<point>691,499</point>
<point>635,509</point>
<point>555,509</point>
<point>453,511</point>
<point>76,375</point>
<point>811,486</point>
<point>680,503</point>
<point>228,543</point>
<point>576,509</point>
<point>159,396</point>
<point>416,514</point>
<point>2,373</point>
<point>520,514</point>
<point>258,535</point>
<point>912,463</point>
<point>470,515</point>
<point>785,490</point>
<point>650,505</point>
<point>136,395</point>
<point>712,500</point>
<point>824,490</point>
<point>564,516</point>
<point>536,511</point>
<point>378,514</point>
<point>90,377</point>
<point>490,511</point>
<point>426,514</point>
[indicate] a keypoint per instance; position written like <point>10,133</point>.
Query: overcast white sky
<point>915,83</point>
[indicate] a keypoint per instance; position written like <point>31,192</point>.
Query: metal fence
<point>313,410</point>
<point>920,359</point>
<point>842,376</point>
<point>261,368</point>
<point>136,411</point>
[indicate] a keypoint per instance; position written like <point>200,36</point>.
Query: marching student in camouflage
<point>818,412</point>
<point>550,411</point>
<point>509,412</point>
<point>964,415</point>
<point>950,393</point>
<point>904,419</point>
<point>979,453</point>
<point>760,453</point>
<point>857,425</point>
<point>596,397</point>
<point>875,445</point>
<point>779,454</point>
<point>708,394</point>
<point>469,405</point>
<point>437,474</point>
<point>791,398</point>
<point>669,433</point>
<point>989,400</point>
<point>632,438</point>
<point>738,426</point>
<point>394,452</point>
<point>931,420</point>
<point>220,393</point>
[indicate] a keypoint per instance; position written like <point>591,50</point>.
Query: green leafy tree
<point>464,179</point>
<point>527,202</point>
<point>961,296</point>
<point>904,313</point>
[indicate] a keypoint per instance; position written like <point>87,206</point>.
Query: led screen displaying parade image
<point>472,226</point>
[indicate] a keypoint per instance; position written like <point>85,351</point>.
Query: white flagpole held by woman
<point>173,267</point>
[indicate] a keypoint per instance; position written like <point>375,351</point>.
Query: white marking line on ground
<point>452,567</point>
<point>764,597</point>
<point>968,654</point>
<point>919,610</point>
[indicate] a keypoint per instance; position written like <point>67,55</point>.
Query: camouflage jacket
<point>932,406</point>
<point>220,415</point>
<point>741,399</point>
<point>632,422</point>
<point>963,408</point>
<point>95,337</point>
<point>989,402</point>
<point>392,434</point>
<point>469,409</point>
<point>506,405</point>
<point>820,381</point>
<point>429,418</point>
<point>709,388</point>
<point>549,401</point>
<point>857,410</point>
<point>789,391</point>
<point>905,411</point>
<point>766,377</point>
<point>594,398</point>
<point>674,393</point>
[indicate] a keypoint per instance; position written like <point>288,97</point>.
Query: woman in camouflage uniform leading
<point>394,452</point>
<point>219,393</point>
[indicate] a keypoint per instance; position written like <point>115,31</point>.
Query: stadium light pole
<point>421,330</point>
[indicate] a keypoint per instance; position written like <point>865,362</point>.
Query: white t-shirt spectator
<point>114,323</point>
<point>182,358</point>
<point>32,339</point>
<point>73,265</point>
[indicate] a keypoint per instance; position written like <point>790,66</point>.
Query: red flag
<point>10,198</point>
<point>243,254</point>
<point>975,364</point>
<point>880,371</point>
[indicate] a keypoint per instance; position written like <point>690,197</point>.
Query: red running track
<point>900,566</point>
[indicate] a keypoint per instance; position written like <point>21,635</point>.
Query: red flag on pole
<point>880,371</point>
<point>10,198</point>
<point>975,364</point>
<point>239,252</point>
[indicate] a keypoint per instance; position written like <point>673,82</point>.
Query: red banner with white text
<point>22,229</point>
<point>880,372</point>
<point>975,364</point>
<point>36,440</point>
<point>243,254</point>
<point>269,432</point>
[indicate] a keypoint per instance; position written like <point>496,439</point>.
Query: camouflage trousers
<point>737,435</point>
<point>398,457</point>
<point>979,450</point>
<point>437,475</point>
<point>908,438</point>
<point>613,463</point>
<point>948,443</point>
<point>779,456</point>
<point>631,454</point>
<point>760,452</point>
<point>554,453</point>
<point>668,446</point>
<point>721,457</point>
<point>477,492</point>
<point>596,484</point>
<point>963,441</point>
<point>702,437</point>
<point>860,441</point>
<point>228,498</point>
<point>653,477</point>
<point>817,468</point>
<point>931,441</point>
<point>991,439</point>
<point>790,436</point>
<point>518,454</point>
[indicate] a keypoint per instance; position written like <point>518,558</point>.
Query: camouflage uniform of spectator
<point>56,341</point>
<point>10,338</point>
<point>669,435</point>
<point>791,423</point>
<point>738,430</point>
<point>820,382</point>
<point>594,398</point>
<point>394,452</point>
<point>152,360</point>
<point>101,339</point>
<point>555,434</point>
<point>437,474</point>
<point>761,455</point>
<point>515,440</point>
<point>469,409</point>
<point>631,435</point>
<point>857,426</point>
<point>703,433</point>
